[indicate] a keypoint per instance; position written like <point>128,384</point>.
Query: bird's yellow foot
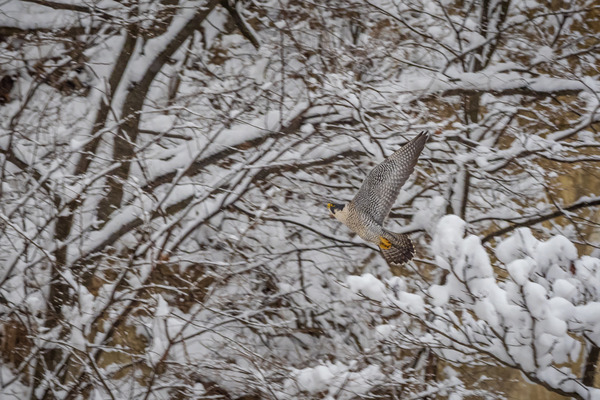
<point>384,243</point>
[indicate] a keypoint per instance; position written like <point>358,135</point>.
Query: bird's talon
<point>384,243</point>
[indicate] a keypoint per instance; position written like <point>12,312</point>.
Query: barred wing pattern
<point>382,186</point>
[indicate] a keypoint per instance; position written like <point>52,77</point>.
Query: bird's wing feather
<point>382,186</point>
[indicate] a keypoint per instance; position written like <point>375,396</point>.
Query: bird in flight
<point>370,207</point>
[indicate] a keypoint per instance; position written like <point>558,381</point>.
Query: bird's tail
<point>398,249</point>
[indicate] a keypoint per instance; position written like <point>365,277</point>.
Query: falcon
<point>370,207</point>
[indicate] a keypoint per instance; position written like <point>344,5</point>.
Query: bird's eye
<point>330,205</point>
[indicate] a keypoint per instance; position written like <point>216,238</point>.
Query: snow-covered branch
<point>532,310</point>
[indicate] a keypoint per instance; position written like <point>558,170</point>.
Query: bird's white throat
<point>342,215</point>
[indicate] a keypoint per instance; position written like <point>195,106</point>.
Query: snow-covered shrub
<point>535,309</point>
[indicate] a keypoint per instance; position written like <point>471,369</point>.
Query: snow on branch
<point>144,208</point>
<point>506,84</point>
<point>531,310</point>
<point>195,156</point>
<point>543,216</point>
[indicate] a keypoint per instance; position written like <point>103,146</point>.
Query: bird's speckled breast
<point>363,225</point>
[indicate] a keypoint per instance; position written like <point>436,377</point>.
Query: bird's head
<point>337,210</point>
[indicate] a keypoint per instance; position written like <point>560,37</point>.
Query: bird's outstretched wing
<point>381,187</point>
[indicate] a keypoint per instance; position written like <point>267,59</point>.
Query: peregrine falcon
<point>370,207</point>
